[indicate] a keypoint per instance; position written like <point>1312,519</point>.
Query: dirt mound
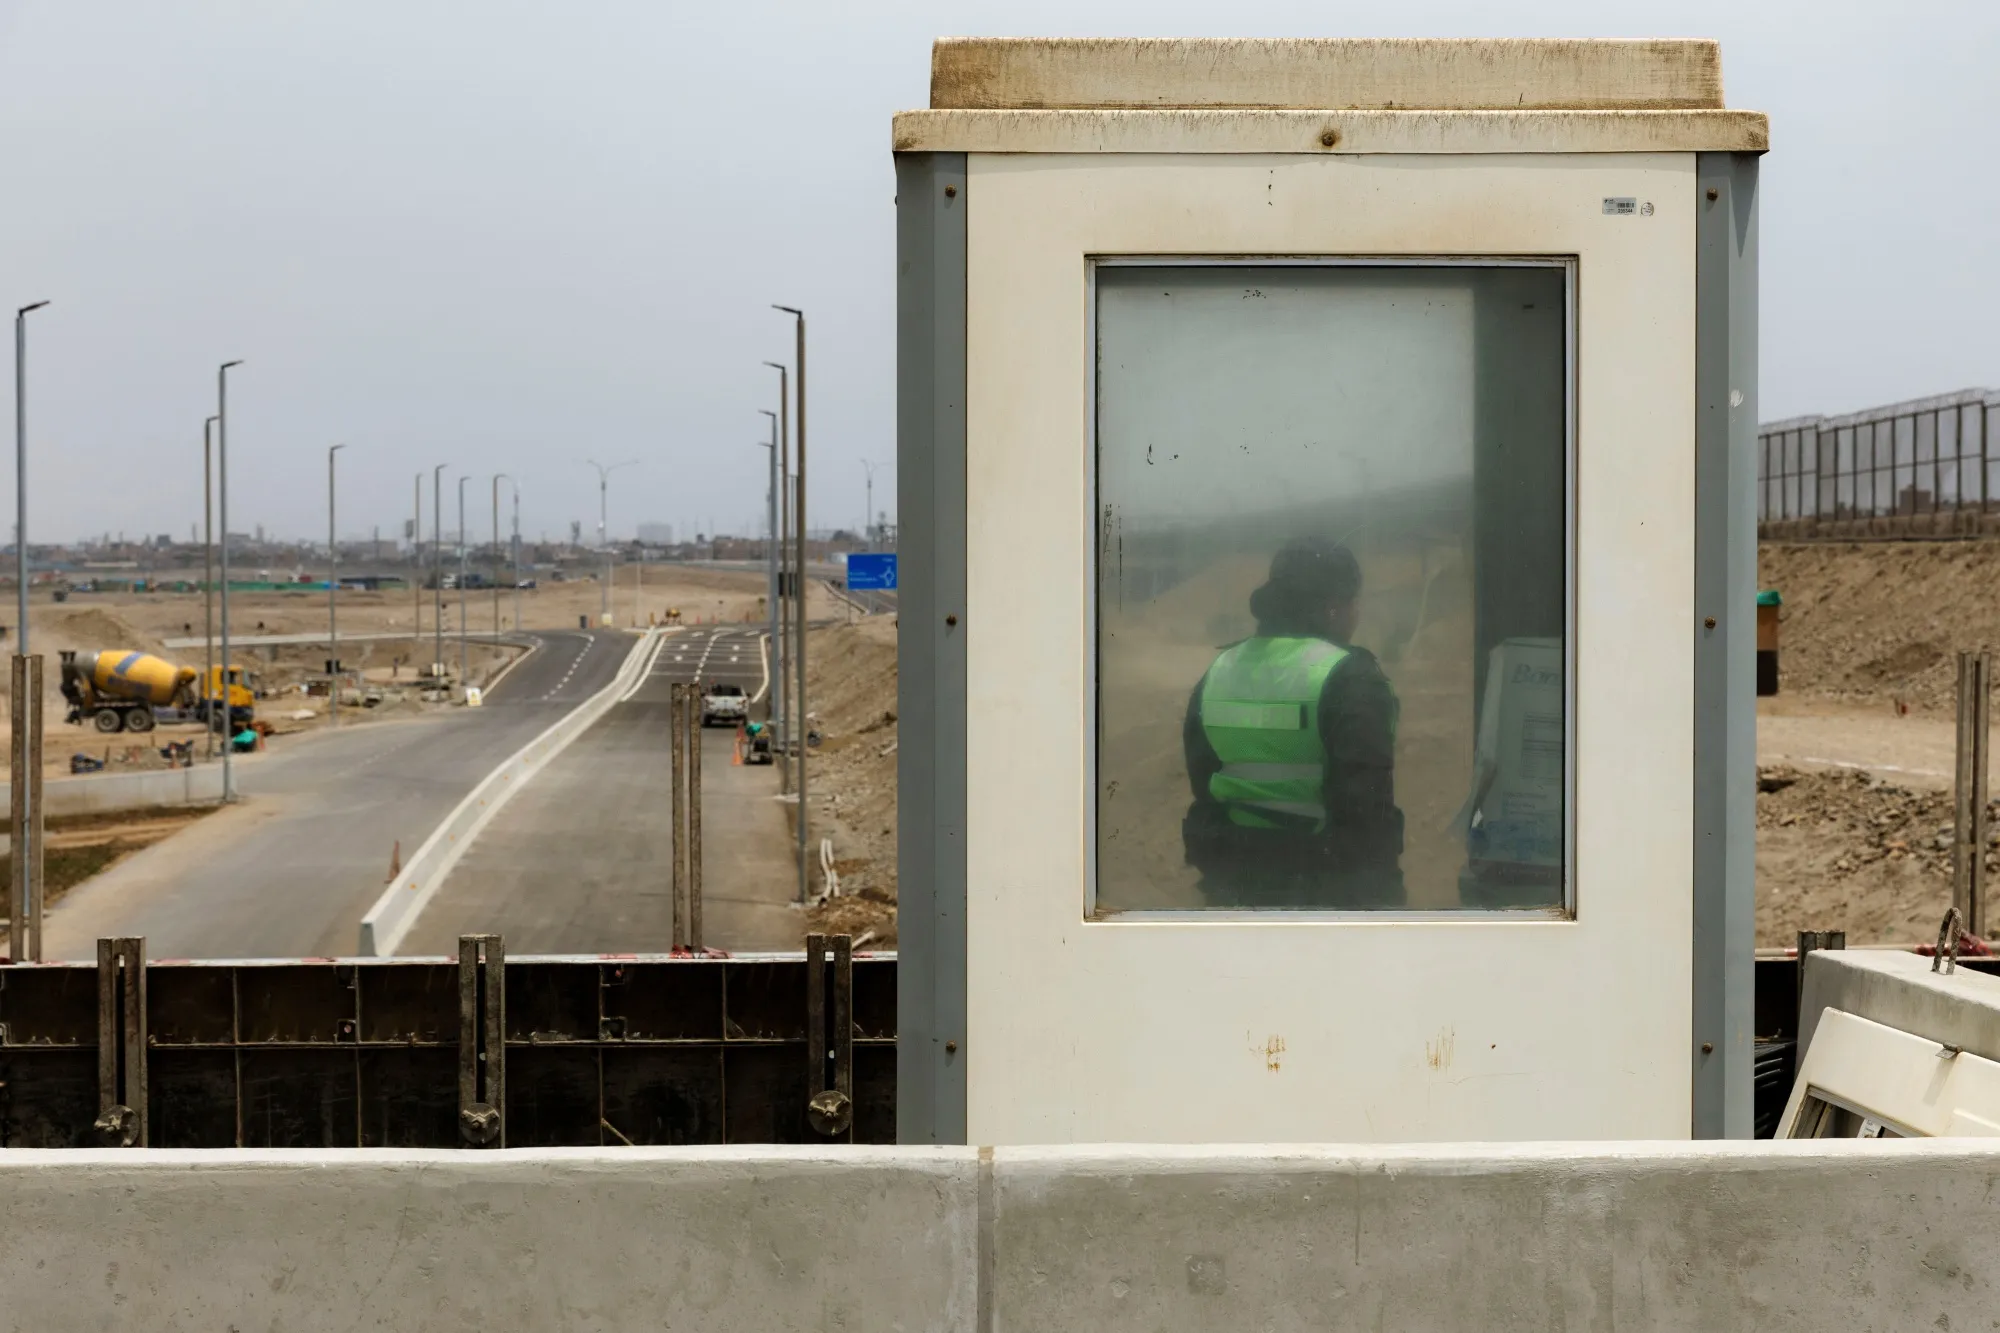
<point>851,682</point>
<point>1845,850</point>
<point>90,628</point>
<point>1880,622</point>
<point>78,629</point>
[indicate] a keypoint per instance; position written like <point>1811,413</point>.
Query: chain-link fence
<point>1923,468</point>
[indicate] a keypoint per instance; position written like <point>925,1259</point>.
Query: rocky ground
<point>1868,630</point>
<point>851,677</point>
<point>1848,850</point>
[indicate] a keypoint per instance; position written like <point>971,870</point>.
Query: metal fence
<point>1927,467</point>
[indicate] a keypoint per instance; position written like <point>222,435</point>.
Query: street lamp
<point>774,707</point>
<point>21,473</point>
<point>603,535</point>
<point>781,652</point>
<point>417,566</point>
<point>868,516</point>
<point>222,512</point>
<point>515,482</point>
<point>498,477</point>
<point>464,674</point>
<point>332,585</point>
<point>437,569</point>
<point>208,582</point>
<point>799,564</point>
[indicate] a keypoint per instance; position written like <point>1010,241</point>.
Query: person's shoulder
<point>1359,670</point>
<point>1359,661</point>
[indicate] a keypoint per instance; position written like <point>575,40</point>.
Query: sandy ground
<point>1856,753</point>
<point>851,684</point>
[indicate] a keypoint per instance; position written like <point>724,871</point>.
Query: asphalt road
<point>291,870</point>
<point>580,860</point>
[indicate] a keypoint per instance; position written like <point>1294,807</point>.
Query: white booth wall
<point>1282,1027</point>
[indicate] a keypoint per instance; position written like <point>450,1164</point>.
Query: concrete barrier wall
<point>1809,1235</point>
<point>111,792</point>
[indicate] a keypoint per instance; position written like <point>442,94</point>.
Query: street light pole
<point>21,484</point>
<point>773,708</point>
<point>603,533</point>
<point>464,673</point>
<point>868,515</point>
<point>437,569</point>
<point>498,477</point>
<point>208,583</point>
<point>222,513</point>
<point>515,484</point>
<point>799,662</point>
<point>781,649</point>
<point>332,588</point>
<point>417,568</point>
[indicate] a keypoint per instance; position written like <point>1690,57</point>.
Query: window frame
<point>1566,910</point>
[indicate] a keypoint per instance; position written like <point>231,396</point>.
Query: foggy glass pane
<point>1331,575</point>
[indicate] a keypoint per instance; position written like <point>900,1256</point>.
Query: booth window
<point>1332,585</point>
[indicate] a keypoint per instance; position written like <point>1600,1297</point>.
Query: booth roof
<point>1326,95</point>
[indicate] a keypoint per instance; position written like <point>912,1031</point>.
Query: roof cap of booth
<point>1037,94</point>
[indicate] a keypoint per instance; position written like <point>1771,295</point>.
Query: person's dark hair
<point>1308,575</point>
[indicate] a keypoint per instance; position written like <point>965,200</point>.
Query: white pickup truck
<point>724,706</point>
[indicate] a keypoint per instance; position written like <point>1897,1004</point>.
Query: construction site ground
<point>1856,753</point>
<point>851,776</point>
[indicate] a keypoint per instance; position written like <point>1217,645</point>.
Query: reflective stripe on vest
<point>1260,712</point>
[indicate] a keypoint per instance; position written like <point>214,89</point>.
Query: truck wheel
<point>139,719</point>
<point>108,720</point>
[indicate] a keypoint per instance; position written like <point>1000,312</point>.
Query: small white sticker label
<point>1620,208</point>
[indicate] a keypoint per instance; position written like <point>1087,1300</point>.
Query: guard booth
<point>1327,592</point>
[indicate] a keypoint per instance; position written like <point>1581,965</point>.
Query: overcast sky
<point>511,236</point>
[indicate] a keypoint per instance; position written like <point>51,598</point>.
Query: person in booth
<point>1290,741</point>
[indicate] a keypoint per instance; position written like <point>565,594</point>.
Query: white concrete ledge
<point>1808,1235</point>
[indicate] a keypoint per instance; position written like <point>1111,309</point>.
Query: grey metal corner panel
<point>1724,632</point>
<point>930,776</point>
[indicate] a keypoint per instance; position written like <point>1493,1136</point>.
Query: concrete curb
<point>390,919</point>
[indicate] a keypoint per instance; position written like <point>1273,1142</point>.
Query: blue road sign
<point>871,572</point>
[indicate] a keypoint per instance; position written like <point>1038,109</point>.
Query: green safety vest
<point>1260,712</point>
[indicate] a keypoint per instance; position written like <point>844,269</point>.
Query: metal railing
<point>1926,467</point>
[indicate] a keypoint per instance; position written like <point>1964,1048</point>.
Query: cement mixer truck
<point>118,690</point>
